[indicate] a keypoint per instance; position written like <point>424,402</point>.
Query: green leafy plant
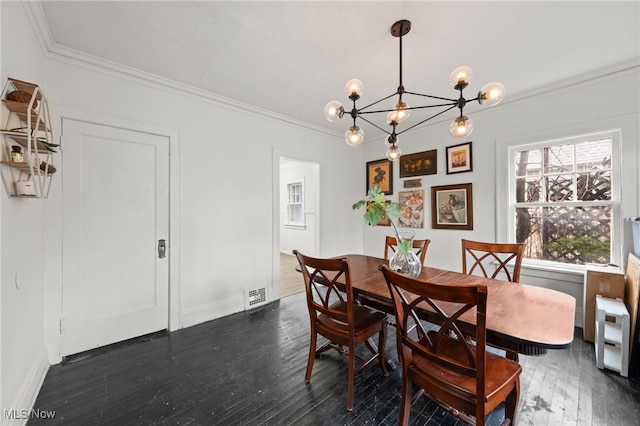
<point>377,208</point>
<point>48,146</point>
<point>590,249</point>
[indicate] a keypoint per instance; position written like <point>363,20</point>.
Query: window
<point>295,205</point>
<point>564,198</point>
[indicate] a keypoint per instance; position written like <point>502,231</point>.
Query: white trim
<point>290,224</point>
<point>55,51</point>
<point>321,161</point>
<point>614,71</point>
<point>210,311</point>
<point>620,124</point>
<point>552,267</point>
<point>26,396</point>
<point>175,321</point>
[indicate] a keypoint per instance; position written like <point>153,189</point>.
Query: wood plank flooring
<point>291,281</point>
<point>248,369</point>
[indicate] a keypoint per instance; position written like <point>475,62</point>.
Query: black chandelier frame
<point>399,29</point>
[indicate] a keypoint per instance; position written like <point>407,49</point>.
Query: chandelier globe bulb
<point>461,127</point>
<point>333,111</point>
<point>354,136</point>
<point>491,94</point>
<point>353,88</point>
<point>460,77</point>
<point>399,114</point>
<point>393,153</point>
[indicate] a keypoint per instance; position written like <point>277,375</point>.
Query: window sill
<point>554,267</point>
<point>294,226</point>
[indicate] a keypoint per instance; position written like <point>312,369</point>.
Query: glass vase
<point>404,260</point>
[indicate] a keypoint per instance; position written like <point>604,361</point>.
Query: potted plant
<point>404,259</point>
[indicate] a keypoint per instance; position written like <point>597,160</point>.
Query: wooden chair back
<point>492,260</point>
<point>420,248</point>
<point>328,287</point>
<point>334,315</point>
<point>450,368</point>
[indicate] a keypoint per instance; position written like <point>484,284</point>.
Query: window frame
<point>506,179</point>
<point>291,223</point>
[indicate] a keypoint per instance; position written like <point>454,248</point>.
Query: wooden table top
<point>521,317</point>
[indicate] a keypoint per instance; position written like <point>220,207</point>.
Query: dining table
<point>524,318</point>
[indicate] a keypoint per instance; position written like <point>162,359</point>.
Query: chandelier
<point>461,126</point>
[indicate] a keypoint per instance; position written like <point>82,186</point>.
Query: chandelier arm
<point>434,106</point>
<point>378,101</point>
<point>427,119</point>
<point>431,96</point>
<point>374,125</point>
<point>409,108</point>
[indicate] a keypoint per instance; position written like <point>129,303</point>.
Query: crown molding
<point>55,51</point>
<point>614,71</point>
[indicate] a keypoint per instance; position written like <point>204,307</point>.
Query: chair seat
<point>499,372</point>
<point>364,319</point>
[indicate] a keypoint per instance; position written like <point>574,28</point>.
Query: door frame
<point>278,153</point>
<point>53,226</point>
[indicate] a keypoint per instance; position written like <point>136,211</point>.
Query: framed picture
<point>459,158</point>
<point>418,164</point>
<point>380,173</point>
<point>452,207</point>
<point>413,183</point>
<point>412,203</point>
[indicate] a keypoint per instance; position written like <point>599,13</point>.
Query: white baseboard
<point>211,311</point>
<point>21,407</point>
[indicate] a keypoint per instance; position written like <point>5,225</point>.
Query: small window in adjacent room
<point>295,205</point>
<point>563,198</point>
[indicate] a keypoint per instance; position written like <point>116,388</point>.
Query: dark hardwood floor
<point>248,369</point>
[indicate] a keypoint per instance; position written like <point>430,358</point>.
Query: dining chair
<point>420,248</point>
<point>457,373</point>
<point>492,260</point>
<point>334,315</point>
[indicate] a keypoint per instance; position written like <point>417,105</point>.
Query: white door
<point>115,197</point>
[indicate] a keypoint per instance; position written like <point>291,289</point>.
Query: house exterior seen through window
<point>295,204</point>
<point>565,196</point>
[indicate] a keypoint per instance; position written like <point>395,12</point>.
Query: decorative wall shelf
<point>27,140</point>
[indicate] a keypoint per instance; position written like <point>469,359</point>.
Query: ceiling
<point>292,57</point>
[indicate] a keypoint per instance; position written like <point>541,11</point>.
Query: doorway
<point>115,220</point>
<point>299,218</point>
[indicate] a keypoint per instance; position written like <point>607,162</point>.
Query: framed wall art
<point>418,164</point>
<point>413,183</point>
<point>459,158</point>
<point>380,172</point>
<point>412,203</point>
<point>452,207</point>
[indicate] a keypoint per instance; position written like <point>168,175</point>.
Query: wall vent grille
<point>255,297</point>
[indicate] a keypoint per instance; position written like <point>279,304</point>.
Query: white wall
<point>227,232</point>
<point>302,239</point>
<point>23,361</point>
<point>570,108</point>
<point>226,183</point>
